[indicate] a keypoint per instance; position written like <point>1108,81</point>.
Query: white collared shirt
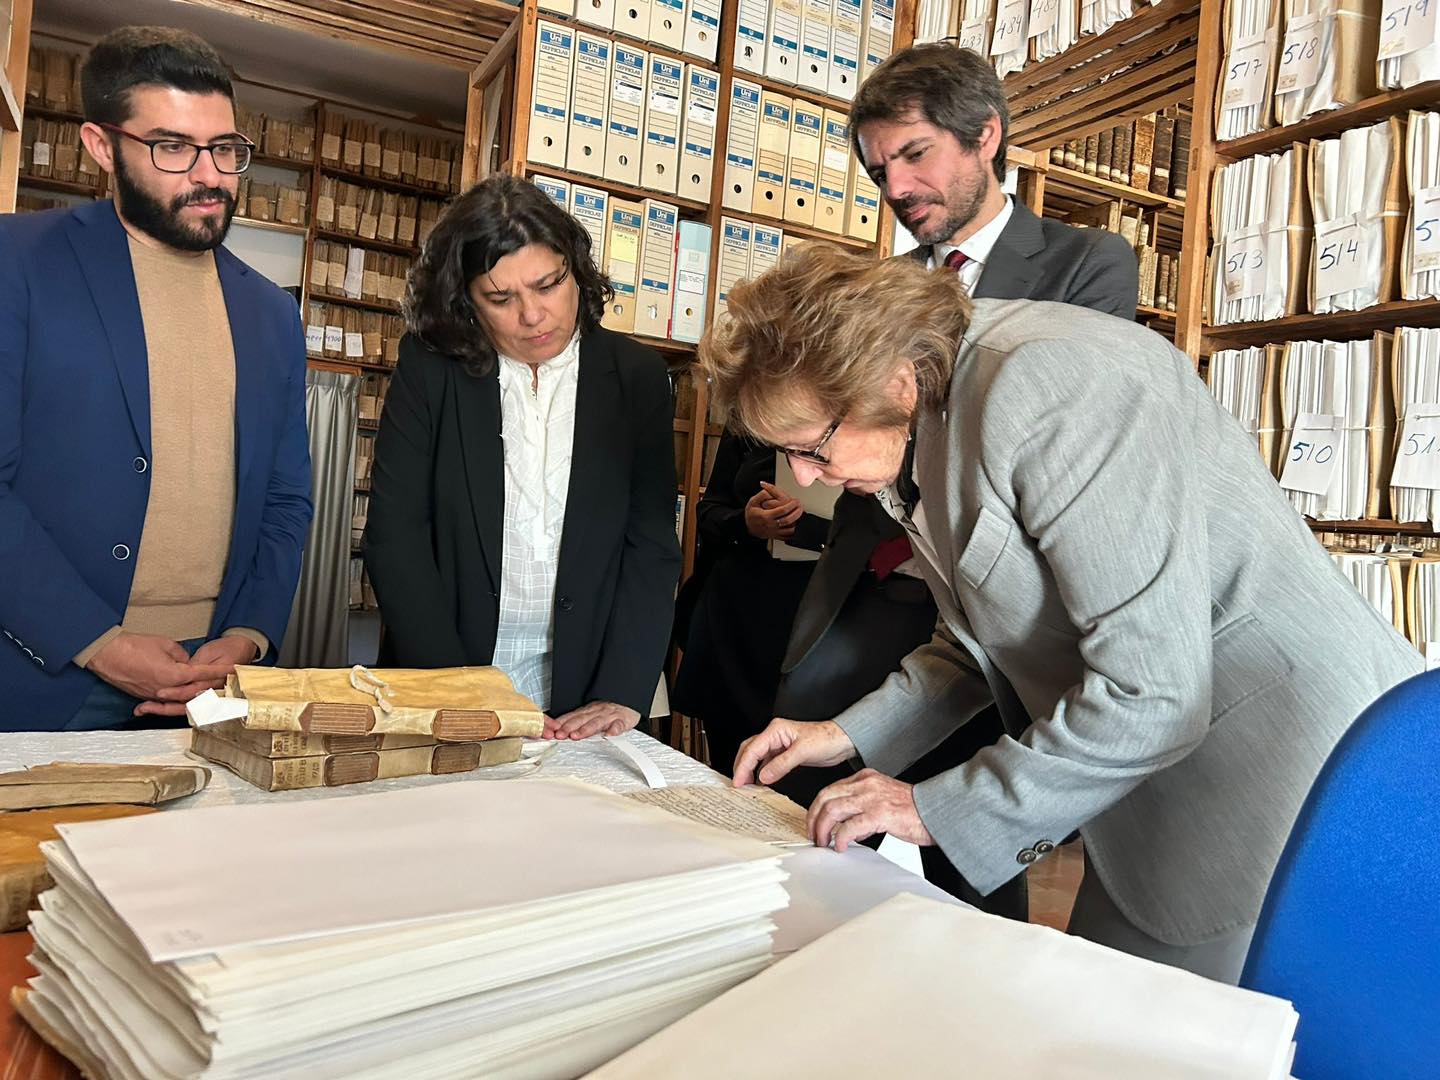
<point>977,248</point>
<point>537,430</point>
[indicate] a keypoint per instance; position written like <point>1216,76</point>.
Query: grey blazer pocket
<point>1244,661</point>
<point>982,550</point>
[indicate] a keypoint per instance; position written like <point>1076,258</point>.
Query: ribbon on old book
<point>367,682</point>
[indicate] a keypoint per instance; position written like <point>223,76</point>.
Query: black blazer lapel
<point>594,464</point>
<point>1010,272</point>
<point>477,404</point>
<point>103,252</point>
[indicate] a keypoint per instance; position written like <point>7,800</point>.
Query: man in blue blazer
<point>154,465</point>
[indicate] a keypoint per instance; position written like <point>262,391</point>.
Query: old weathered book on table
<point>361,767</point>
<point>64,783</point>
<point>23,876</point>
<point>466,704</point>
<point>291,744</point>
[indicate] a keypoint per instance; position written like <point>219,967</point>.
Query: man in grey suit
<point>931,126</point>
<point>1171,651</point>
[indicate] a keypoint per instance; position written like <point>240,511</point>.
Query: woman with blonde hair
<point>1172,654</point>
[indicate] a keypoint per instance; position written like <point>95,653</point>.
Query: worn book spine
<point>1125,141</point>
<point>1074,154</point>
<point>335,770</point>
<point>1180,158</point>
<point>1144,147</point>
<point>1092,154</point>
<point>1104,147</point>
<point>1162,288</point>
<point>1160,157</point>
<point>1057,155</point>
<point>287,744</point>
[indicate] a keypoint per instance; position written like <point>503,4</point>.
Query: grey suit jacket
<point>1119,566</point>
<point>1033,258</point>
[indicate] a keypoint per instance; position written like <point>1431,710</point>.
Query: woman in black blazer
<point>523,500</point>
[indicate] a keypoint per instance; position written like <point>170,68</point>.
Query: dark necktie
<point>955,260</point>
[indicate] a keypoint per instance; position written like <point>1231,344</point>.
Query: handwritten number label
<point>1406,26</point>
<point>1417,461</point>
<point>1425,235</point>
<point>1044,15</point>
<point>1009,29</point>
<point>1300,55</point>
<point>1313,453</point>
<point>1245,263</point>
<point>1248,68</point>
<point>972,37</point>
<point>1340,256</point>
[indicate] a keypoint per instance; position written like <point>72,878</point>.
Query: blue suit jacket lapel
<point>249,364</point>
<point>103,251</point>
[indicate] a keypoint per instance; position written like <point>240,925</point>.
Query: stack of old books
<point>285,729</point>
<point>534,929</point>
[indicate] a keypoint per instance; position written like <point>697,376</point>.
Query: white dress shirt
<point>976,249</point>
<point>537,429</point>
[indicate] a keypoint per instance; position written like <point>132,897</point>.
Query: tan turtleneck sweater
<point>185,542</point>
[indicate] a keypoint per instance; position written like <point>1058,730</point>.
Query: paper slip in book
<point>354,767</point>
<point>459,930</point>
<point>453,704</point>
<point>941,990</point>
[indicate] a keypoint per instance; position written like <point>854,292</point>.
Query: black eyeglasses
<point>178,156</point>
<point>814,455</point>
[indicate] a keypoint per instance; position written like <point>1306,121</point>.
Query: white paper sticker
<point>1406,26</point>
<point>1340,262</point>
<point>334,338</point>
<point>1417,461</point>
<point>836,160</point>
<point>700,113</point>
<point>627,92</point>
<point>1009,29</point>
<point>1245,253</point>
<point>1432,655</point>
<point>666,103</point>
<point>40,154</point>
<point>354,273</point>
<point>1044,14</point>
<point>315,340</point>
<point>1248,67</point>
<point>1425,237</point>
<point>354,346</point>
<point>1312,455</point>
<point>654,778</point>
<point>973,37</point>
<point>1300,54</point>
<point>210,708</point>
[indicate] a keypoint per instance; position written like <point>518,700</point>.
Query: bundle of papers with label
<point>533,929</point>
<point>1260,221</point>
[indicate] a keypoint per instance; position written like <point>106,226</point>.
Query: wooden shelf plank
<point>1154,312</point>
<point>44,112</point>
<point>64,187</point>
<point>791,90</point>
<point>1343,325</point>
<point>621,39</point>
<point>665,345</point>
<point>625,191</point>
<point>11,116</point>
<point>1379,107</point>
<point>1103,189</point>
<point>400,186</point>
<point>349,301</point>
<point>1374,525</point>
<point>271,162</point>
<point>375,245</point>
<point>801,230</point>
<point>271,226</point>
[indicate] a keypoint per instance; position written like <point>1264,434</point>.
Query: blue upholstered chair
<point>1350,930</point>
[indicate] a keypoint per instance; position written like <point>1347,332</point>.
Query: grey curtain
<point>320,622</point>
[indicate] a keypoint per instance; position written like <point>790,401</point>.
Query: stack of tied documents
<point>283,729</point>
<point>919,988</point>
<point>458,930</point>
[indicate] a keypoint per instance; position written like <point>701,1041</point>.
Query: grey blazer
<point>1119,565</point>
<point>1033,258</point>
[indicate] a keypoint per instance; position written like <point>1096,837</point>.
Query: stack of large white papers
<point>918,988</point>
<point>531,929</point>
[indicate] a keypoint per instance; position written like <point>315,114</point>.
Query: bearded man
<point>154,465</point>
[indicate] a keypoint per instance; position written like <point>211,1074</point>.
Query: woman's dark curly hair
<point>495,218</point>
